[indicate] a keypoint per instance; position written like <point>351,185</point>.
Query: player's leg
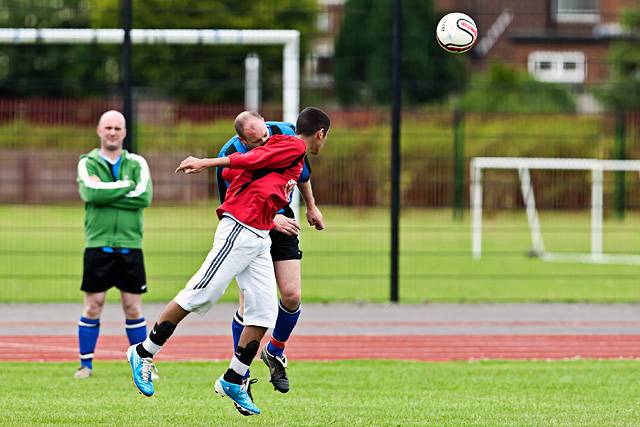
<point>132,284</point>
<point>258,285</point>
<point>237,323</point>
<point>135,323</point>
<point>289,285</point>
<point>227,257</point>
<point>96,280</point>
<point>140,356</point>
<point>288,277</point>
<point>286,256</point>
<point>89,331</point>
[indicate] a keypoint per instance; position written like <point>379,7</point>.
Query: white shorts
<point>237,252</point>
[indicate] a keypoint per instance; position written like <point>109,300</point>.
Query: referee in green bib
<point>115,186</point>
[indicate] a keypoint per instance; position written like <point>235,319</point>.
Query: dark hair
<point>241,120</point>
<point>311,120</point>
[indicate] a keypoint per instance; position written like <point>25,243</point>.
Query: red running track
<point>414,347</point>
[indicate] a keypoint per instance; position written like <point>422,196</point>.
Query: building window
<point>576,11</point>
<point>558,67</point>
<point>322,22</point>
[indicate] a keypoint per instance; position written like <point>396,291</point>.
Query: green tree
<point>208,73</point>
<point>622,92</point>
<point>45,69</point>
<point>505,89</point>
<point>192,73</point>
<point>363,54</point>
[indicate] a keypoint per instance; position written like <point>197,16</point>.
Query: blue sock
<point>88,332</point>
<point>136,330</point>
<point>237,325</point>
<point>285,323</point>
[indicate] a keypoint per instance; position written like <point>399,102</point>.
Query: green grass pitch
<point>41,249</point>
<point>345,393</point>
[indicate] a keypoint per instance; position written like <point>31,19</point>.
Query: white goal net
<point>523,166</point>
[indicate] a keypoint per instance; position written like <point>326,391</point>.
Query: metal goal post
<point>523,166</point>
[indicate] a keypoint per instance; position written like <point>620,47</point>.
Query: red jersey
<point>258,192</point>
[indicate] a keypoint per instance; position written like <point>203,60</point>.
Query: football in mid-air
<point>456,32</point>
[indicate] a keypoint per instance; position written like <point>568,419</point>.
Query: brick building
<point>565,41</point>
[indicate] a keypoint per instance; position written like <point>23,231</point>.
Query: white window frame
<point>577,16</point>
<point>557,73</point>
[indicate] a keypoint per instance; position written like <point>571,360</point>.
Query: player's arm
<point>141,195</point>
<point>270,156</point>
<point>314,216</point>
<point>195,165</point>
<point>92,190</point>
<point>284,224</point>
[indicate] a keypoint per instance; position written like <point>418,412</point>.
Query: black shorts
<point>103,270</point>
<point>285,247</point>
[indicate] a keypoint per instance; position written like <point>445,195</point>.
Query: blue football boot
<point>237,393</point>
<point>246,384</point>
<point>141,370</point>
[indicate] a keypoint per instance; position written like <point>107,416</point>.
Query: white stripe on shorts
<point>219,258</point>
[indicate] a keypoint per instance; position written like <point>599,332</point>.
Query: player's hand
<point>285,225</point>
<point>192,165</point>
<point>314,217</point>
<point>95,178</point>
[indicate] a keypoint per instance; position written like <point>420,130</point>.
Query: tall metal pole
<point>620,154</point>
<point>396,96</point>
<point>458,164</point>
<point>125,72</point>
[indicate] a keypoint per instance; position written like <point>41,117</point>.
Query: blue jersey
<point>235,145</point>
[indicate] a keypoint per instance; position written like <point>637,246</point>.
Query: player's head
<point>313,125</point>
<point>251,129</point>
<point>111,130</point>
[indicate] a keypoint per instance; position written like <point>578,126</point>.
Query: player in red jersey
<point>241,249</point>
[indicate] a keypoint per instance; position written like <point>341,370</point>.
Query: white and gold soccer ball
<point>456,32</point>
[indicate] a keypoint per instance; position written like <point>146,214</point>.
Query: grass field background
<point>354,393</point>
<point>41,249</point>
<point>495,134</point>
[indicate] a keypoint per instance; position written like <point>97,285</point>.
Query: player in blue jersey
<point>285,250</point>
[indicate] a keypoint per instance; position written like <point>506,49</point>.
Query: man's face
<point>256,133</point>
<point>112,132</point>
<point>319,139</point>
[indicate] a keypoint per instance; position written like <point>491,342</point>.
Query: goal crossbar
<point>523,166</point>
<point>289,39</point>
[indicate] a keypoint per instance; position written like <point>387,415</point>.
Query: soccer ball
<point>456,32</point>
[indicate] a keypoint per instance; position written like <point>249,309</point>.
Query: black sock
<point>142,352</point>
<point>244,355</point>
<point>232,376</point>
<point>159,335</point>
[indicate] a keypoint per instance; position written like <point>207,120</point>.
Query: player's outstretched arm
<point>194,165</point>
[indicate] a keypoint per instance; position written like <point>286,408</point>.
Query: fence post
<point>126,75</point>
<point>458,164</point>
<point>396,113</point>
<point>620,154</point>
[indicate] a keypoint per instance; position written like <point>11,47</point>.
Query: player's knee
<point>93,307</point>
<point>291,300</point>
<point>133,310</point>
